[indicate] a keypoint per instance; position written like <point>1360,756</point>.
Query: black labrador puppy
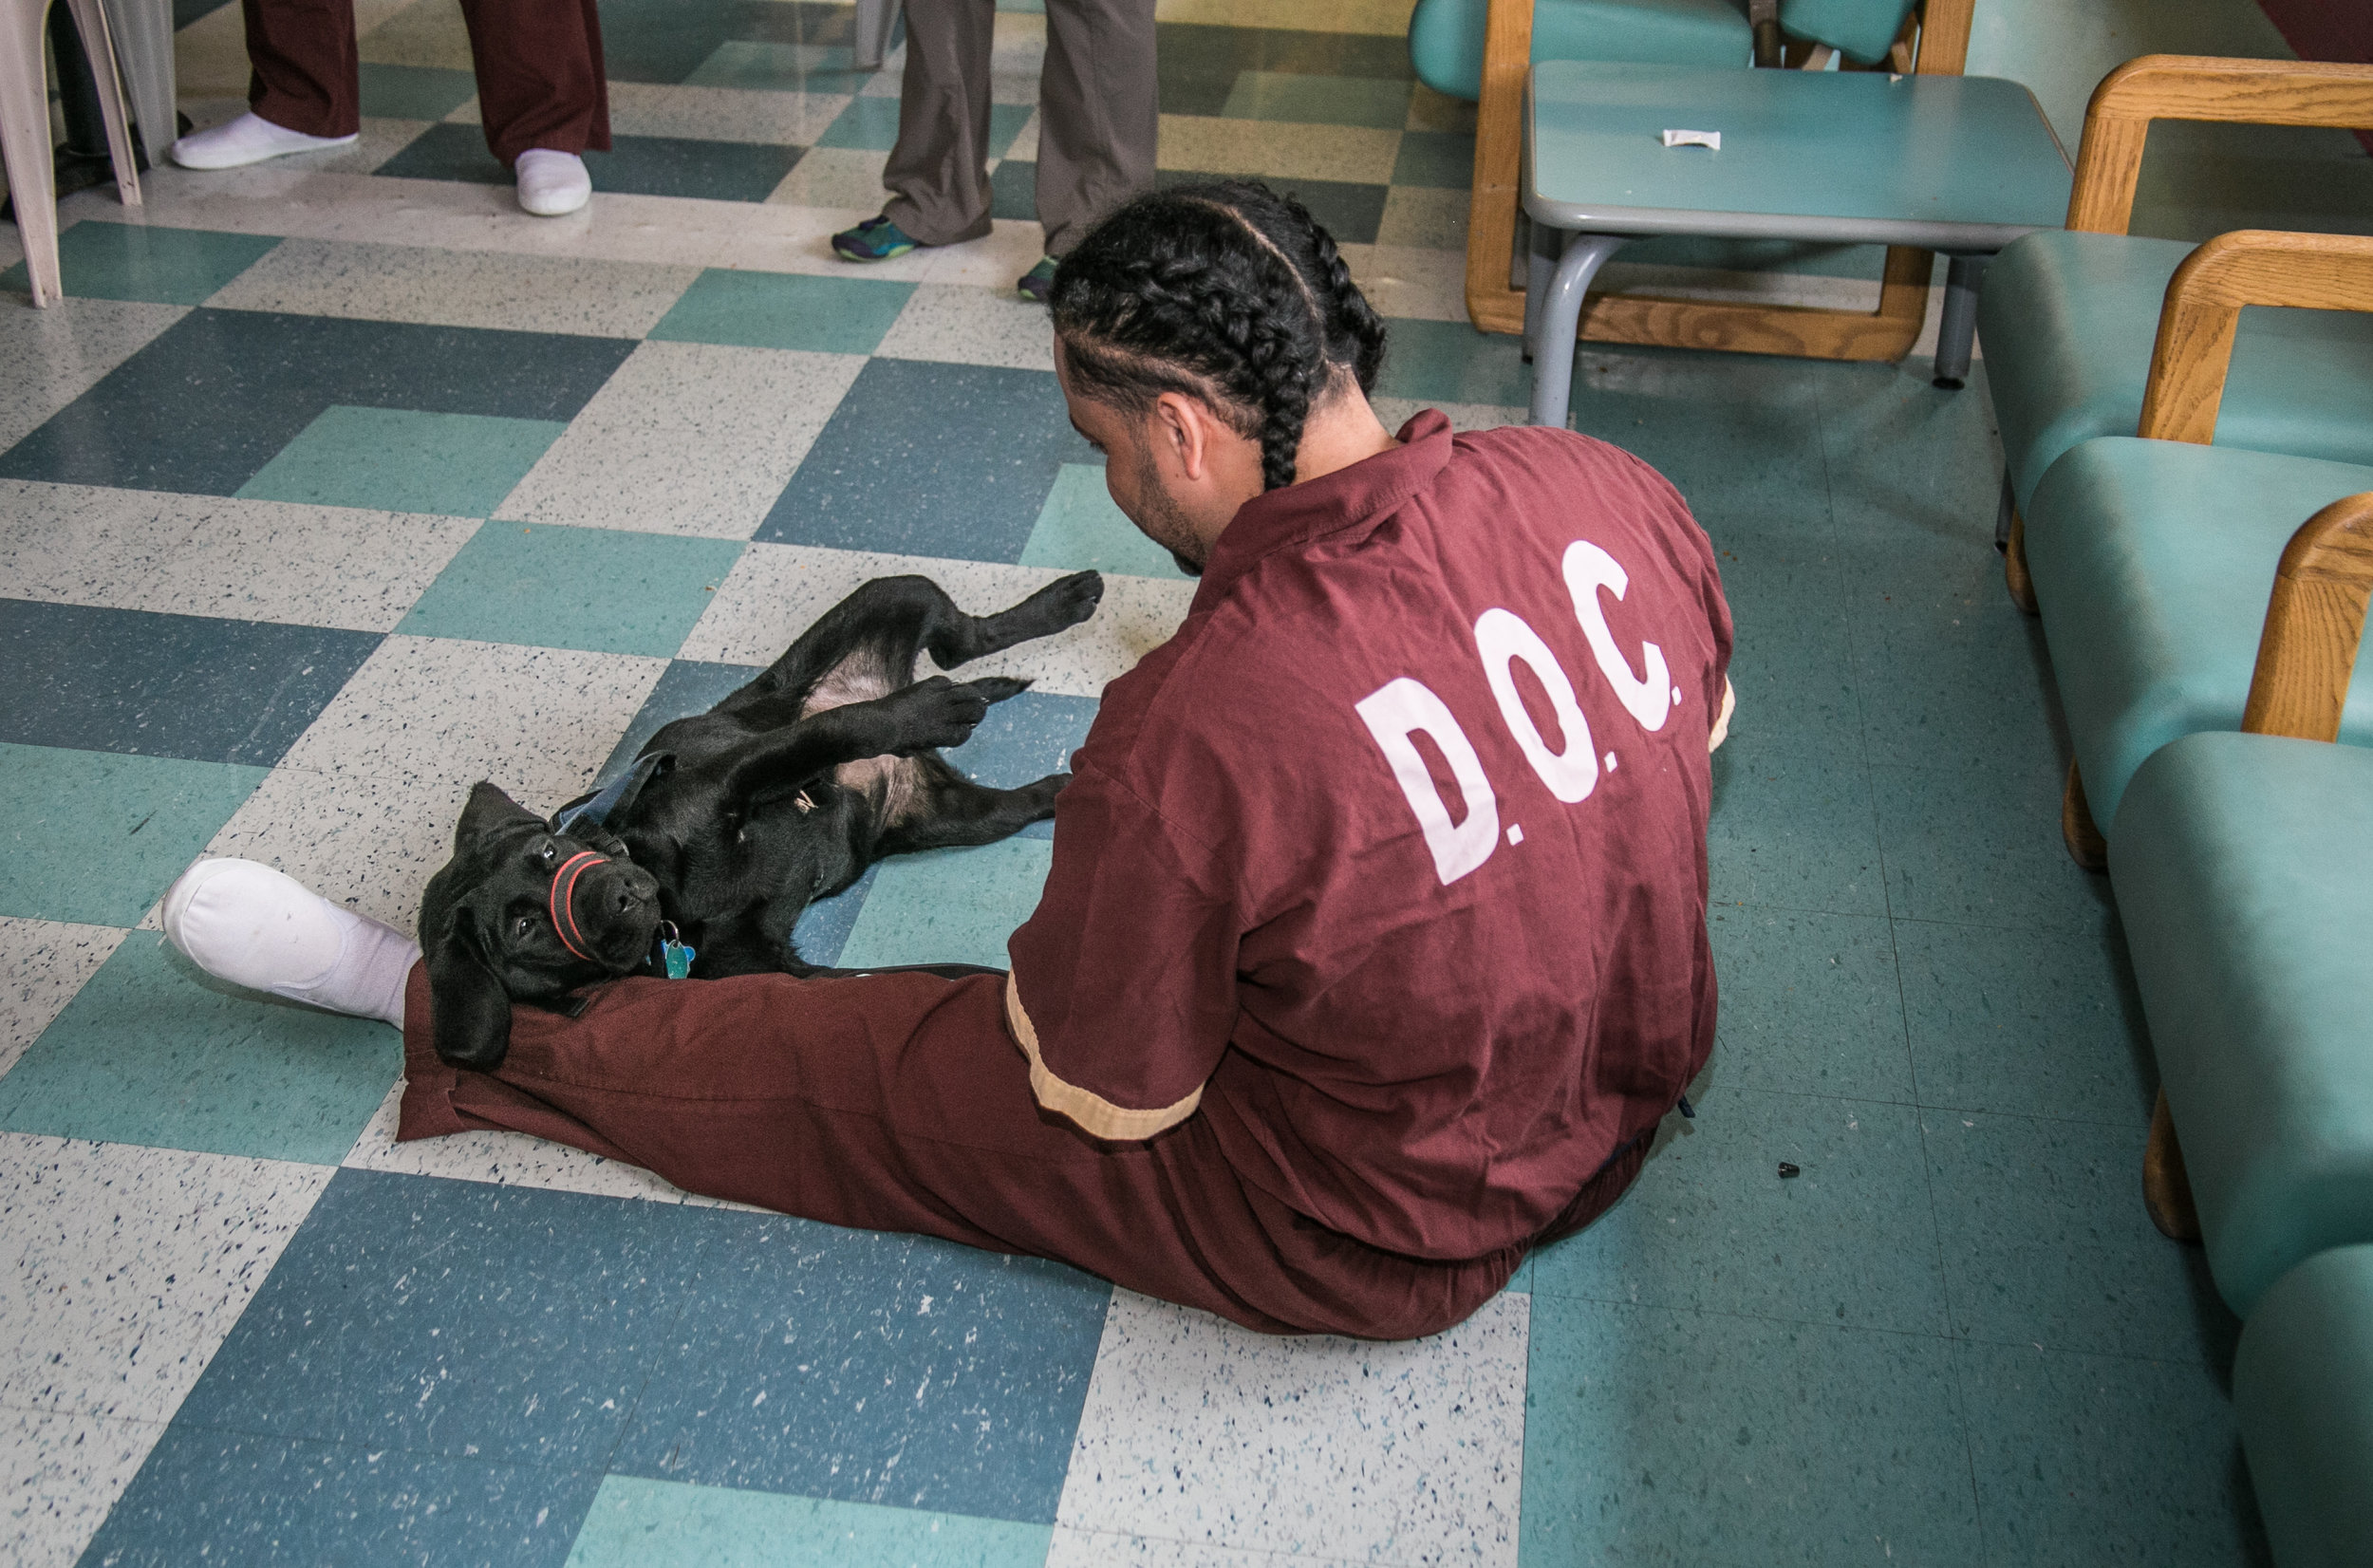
<point>733,821</point>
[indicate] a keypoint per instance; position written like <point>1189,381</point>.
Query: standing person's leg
<point>939,192</point>
<point>899,1102</point>
<point>542,91</point>
<point>1098,114</point>
<point>305,87</point>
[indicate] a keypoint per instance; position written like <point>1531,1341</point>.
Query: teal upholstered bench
<point>2303,1387</point>
<point>2068,318</point>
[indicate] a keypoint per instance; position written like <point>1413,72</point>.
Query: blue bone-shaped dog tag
<point>675,955</point>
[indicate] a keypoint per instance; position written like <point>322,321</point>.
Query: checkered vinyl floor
<point>336,485</point>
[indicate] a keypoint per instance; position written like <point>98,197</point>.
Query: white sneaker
<point>247,139</point>
<point>552,183</point>
<point>245,922</point>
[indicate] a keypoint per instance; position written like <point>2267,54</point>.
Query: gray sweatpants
<point>1097,118</point>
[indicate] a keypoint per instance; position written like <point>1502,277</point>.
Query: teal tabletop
<point>1949,162</point>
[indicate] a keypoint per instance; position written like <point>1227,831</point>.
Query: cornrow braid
<point>1228,292</point>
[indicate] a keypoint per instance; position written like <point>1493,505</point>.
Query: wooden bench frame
<point>2182,87</point>
<point>1494,303</point>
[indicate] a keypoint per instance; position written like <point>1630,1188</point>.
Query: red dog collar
<point>563,909</point>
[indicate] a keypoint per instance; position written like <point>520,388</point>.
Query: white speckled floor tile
<point>836,177</point>
<point>722,114</point>
<point>607,299</point>
<point>1410,281</point>
<point>43,963</point>
<point>1417,217</point>
<point>426,32</point>
<point>958,324</point>
<point>502,1159</point>
<point>374,144</point>
<point>1100,1549</point>
<point>776,591</point>
<point>1276,150</point>
<point>56,355</point>
<point>1015,54</point>
<point>363,808</point>
<point>686,438</point>
<point>122,1268</point>
<point>221,555</point>
<point>58,1475</point>
<point>1199,1432</point>
<point>993,261</point>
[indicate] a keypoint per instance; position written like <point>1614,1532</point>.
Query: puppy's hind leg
<point>1058,606</point>
<point>946,811</point>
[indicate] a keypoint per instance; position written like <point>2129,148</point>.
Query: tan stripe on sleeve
<point>1722,721</point>
<point>1093,1114</point>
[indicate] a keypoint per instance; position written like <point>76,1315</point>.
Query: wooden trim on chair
<point>2313,623</point>
<point>2188,87</point>
<point>1807,332</point>
<point>2204,301</point>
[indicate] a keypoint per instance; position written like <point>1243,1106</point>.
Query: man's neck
<point>1341,431</point>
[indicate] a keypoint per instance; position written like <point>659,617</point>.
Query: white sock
<point>250,139</point>
<point>245,923</point>
<point>552,182</point>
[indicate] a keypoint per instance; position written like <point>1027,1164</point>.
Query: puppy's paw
<point>1043,793</point>
<point>997,688</point>
<point>1067,601</point>
<point>935,713</point>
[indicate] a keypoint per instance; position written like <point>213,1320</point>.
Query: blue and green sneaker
<point>1038,281</point>
<point>876,240</point>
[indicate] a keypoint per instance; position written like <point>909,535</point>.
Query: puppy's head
<point>521,913</point>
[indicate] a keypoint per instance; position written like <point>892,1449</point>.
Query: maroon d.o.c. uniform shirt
<point>1391,864</point>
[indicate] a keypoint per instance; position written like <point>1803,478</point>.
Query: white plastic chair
<point>25,127</point>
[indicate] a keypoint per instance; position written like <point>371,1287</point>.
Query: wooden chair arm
<point>2204,301</point>
<point>2313,623</point>
<point>2189,87</point>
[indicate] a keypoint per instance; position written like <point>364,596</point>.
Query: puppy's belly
<point>888,781</point>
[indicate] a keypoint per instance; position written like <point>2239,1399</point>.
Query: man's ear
<point>469,1011</point>
<point>488,810</point>
<point>1177,427</point>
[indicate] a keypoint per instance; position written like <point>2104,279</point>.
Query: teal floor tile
<point>2046,1241</point>
<point>1792,827</point>
<point>97,837</point>
<point>1712,1225</point>
<point>136,261</point>
<point>757,65</point>
<point>2106,1461</point>
<point>1005,123</point>
<point>1739,437</point>
<point>950,905</point>
<point>1318,99</point>
<point>1911,461</point>
<point>601,589</point>
<point>867,124</point>
<point>1442,161</point>
<point>1982,848</point>
<point>401,459</point>
<point>150,1052</point>
<point>832,315</point>
<point>2035,1023</point>
<point>637,1523</point>
<point>414,92</point>
<point>1811,1003</point>
<point>1079,528</point>
<point>1450,362</point>
<point>1661,1437</point>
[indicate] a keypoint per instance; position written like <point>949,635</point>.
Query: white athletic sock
<point>250,139</point>
<point>552,182</point>
<point>245,923</point>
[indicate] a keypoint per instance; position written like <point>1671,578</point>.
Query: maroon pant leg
<point>540,79</point>
<point>898,1102</point>
<point>303,71</point>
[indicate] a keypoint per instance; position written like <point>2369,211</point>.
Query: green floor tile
<point>401,459</point>
<point>757,65</point>
<point>1811,1003</point>
<point>150,1052</point>
<point>950,905</point>
<point>830,315</point>
<point>636,1523</point>
<point>870,123</point>
<point>1318,99</point>
<point>1450,362</point>
<point>1445,159</point>
<point>1081,529</point>
<point>601,589</point>
<point>414,92</point>
<point>136,261</point>
<point>97,837</point>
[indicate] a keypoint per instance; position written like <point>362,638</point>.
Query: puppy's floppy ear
<point>488,810</point>
<point>469,1012</point>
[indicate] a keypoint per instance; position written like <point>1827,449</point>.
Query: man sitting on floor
<point>1374,948</point>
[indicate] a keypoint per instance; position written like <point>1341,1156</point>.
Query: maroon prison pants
<point>540,79</point>
<point>899,1102</point>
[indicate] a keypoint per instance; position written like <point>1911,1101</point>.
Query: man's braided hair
<point>1226,292</point>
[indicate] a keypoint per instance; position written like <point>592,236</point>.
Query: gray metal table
<point>1957,164</point>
